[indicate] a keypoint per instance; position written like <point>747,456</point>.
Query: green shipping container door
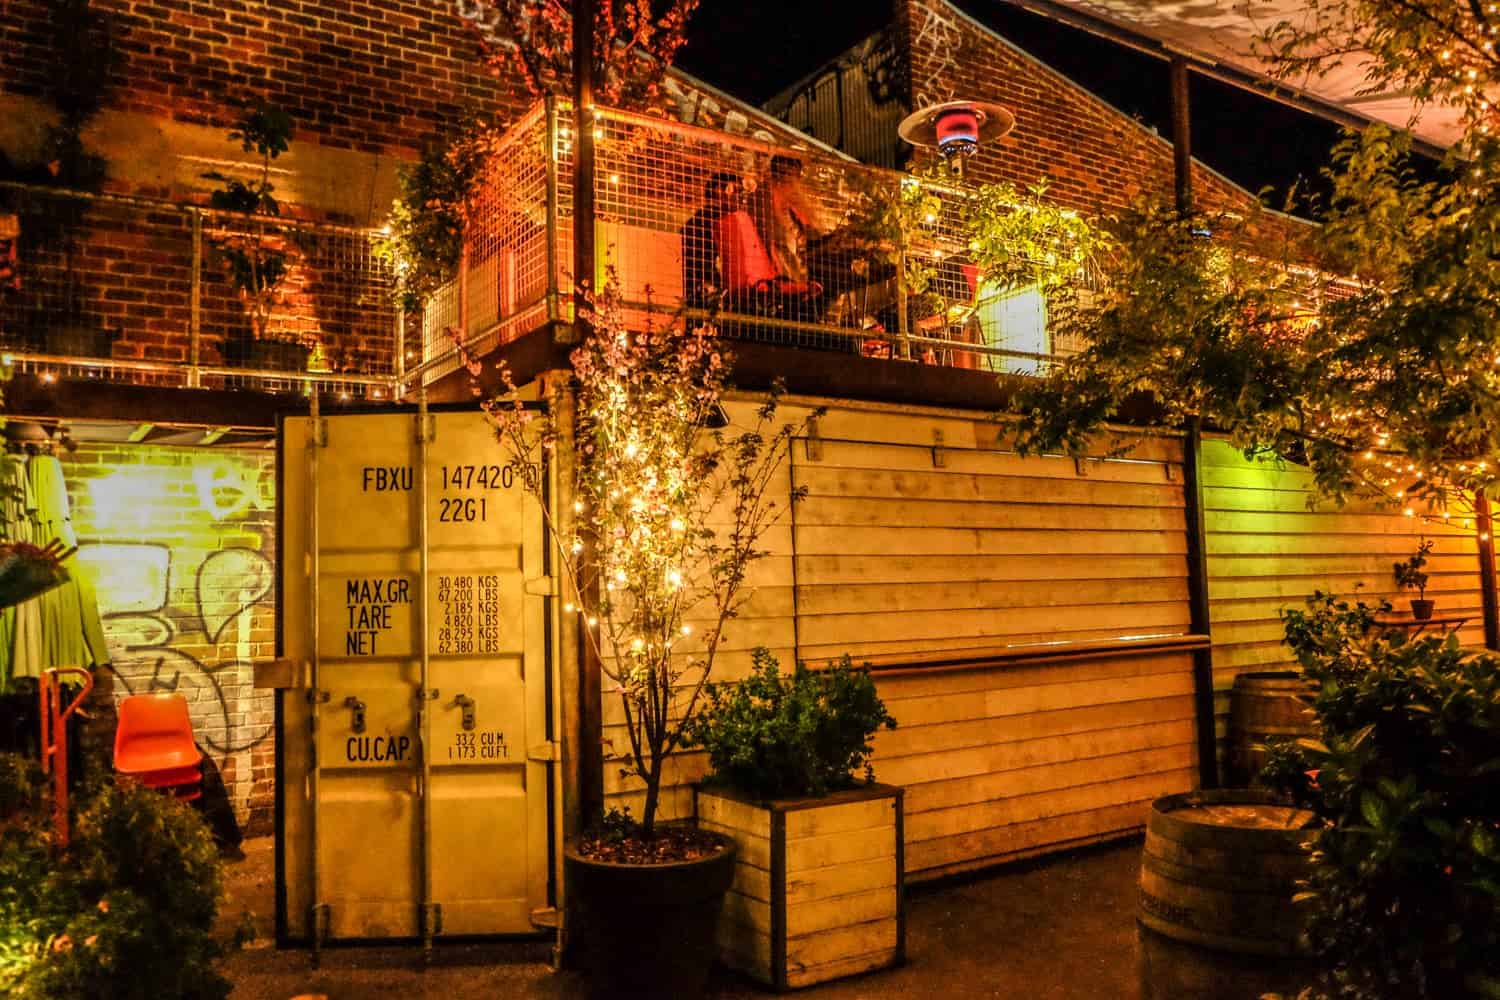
<point>410,809</point>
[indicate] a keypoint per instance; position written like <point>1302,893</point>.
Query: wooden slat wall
<point>919,534</point>
<point>1267,550</point>
<point>1001,763</point>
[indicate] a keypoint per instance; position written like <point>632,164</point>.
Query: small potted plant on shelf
<point>817,894</point>
<point>256,257</point>
<point>1409,576</point>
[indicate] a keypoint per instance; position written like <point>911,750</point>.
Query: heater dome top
<point>956,126</point>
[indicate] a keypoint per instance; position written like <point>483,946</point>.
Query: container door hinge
<point>542,586</point>
<point>315,697</point>
<point>545,752</point>
<point>939,456</point>
<point>426,428</point>
<point>544,917</point>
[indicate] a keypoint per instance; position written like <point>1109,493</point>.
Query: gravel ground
<point>1054,929</point>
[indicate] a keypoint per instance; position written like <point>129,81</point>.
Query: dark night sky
<point>753,48</point>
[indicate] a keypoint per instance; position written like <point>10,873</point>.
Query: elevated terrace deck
<point>683,227</point>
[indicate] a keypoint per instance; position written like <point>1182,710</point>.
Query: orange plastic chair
<point>154,743</point>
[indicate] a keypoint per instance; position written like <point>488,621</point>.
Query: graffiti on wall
<point>139,616</point>
<point>177,551</point>
<point>940,38</point>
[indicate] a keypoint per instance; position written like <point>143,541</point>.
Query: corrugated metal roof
<point>1220,36</point>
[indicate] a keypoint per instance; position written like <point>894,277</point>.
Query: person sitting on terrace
<point>787,216</point>
<point>703,273</point>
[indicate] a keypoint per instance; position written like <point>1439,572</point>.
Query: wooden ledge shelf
<point>1031,654</point>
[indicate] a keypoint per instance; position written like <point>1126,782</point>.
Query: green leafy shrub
<point>778,736</point>
<point>124,914</point>
<point>1406,877</point>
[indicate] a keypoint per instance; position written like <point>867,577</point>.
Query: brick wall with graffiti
<point>182,543</point>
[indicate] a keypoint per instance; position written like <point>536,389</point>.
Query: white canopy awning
<point>1219,36</point>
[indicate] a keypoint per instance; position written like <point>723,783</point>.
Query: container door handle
<point>465,703</point>
<point>358,708</point>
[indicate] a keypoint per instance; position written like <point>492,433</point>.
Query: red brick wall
<point>127,268</point>
<point>181,543</point>
<point>372,75</point>
<point>1094,157</point>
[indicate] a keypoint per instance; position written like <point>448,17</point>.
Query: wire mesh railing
<point>777,246</point>
<point>513,252</point>
<point>145,291</point>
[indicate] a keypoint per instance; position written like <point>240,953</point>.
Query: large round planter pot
<point>1218,874</point>
<point>646,930</point>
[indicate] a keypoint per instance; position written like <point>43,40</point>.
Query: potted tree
<point>817,892</point>
<point>656,532</point>
<point>256,259</point>
<point>1410,576</point>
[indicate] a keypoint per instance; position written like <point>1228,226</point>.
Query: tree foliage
<point>423,238</point>
<point>635,41</point>
<point>1367,347</point>
<point>125,913</point>
<point>667,517</point>
<point>1405,883</point>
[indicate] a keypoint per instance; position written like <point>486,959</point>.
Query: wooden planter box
<point>817,886</point>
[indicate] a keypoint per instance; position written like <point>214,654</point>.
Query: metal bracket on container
<point>1081,467</point>
<point>541,586</point>
<point>544,752</point>
<point>358,707</point>
<point>466,704</point>
<point>813,443</point>
<point>939,458</point>
<point>544,917</point>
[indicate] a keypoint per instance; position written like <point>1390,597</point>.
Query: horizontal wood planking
<point>841,888</point>
<point>1005,748</point>
<point>898,547</point>
<point>811,950</point>
<point>806,974</point>
<point>851,877</point>
<point>830,819</point>
<point>1268,550</point>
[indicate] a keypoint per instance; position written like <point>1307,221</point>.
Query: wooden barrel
<point>1264,705</point>
<point>1220,868</point>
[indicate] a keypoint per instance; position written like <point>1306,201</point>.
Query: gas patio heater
<point>956,129</point>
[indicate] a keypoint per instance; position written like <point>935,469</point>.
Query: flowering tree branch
<point>634,43</point>
<point>669,513</point>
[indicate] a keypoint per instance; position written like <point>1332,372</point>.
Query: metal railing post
<point>195,308</point>
<point>552,210</point>
<point>400,348</point>
<point>903,322</point>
